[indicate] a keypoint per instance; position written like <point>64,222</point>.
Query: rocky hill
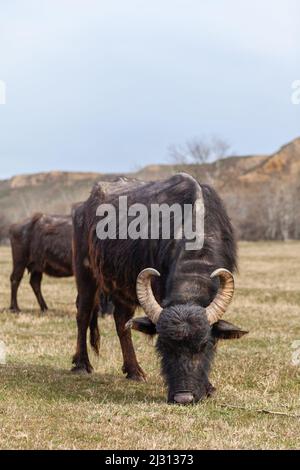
<point>261,192</point>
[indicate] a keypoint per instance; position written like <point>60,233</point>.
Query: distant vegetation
<point>200,150</point>
<point>261,192</point>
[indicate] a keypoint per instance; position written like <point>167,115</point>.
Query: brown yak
<point>40,244</point>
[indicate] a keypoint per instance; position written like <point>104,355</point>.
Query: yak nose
<point>183,398</point>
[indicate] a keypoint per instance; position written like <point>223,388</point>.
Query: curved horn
<point>145,294</point>
<point>219,305</point>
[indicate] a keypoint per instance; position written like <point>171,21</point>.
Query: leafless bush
<point>268,212</point>
<point>200,150</point>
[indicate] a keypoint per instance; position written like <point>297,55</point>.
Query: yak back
<point>117,263</point>
<point>46,243</point>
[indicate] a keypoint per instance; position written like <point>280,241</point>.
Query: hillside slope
<point>260,191</point>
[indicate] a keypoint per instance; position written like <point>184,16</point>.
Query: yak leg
<point>35,282</point>
<point>15,280</point>
<point>130,367</point>
<point>85,312</point>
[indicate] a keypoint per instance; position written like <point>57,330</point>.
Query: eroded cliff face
<point>261,192</point>
<point>284,165</point>
<point>38,179</point>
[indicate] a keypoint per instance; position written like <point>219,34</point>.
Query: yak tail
<point>94,331</point>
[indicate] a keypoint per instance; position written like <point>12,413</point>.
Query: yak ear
<point>144,325</point>
<point>225,330</point>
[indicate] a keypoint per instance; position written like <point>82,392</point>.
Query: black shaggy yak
<point>184,293</point>
<point>41,244</point>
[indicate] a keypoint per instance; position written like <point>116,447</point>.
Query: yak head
<point>187,336</point>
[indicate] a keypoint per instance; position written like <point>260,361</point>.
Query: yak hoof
<point>14,310</point>
<point>136,377</point>
<point>82,369</point>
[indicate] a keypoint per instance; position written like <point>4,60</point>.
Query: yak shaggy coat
<point>186,341</point>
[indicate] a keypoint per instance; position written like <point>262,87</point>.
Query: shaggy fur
<point>185,340</point>
<point>41,244</point>
<point>186,347</point>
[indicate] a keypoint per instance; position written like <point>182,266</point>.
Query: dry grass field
<point>44,406</point>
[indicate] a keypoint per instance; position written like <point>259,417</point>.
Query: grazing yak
<point>40,244</point>
<point>184,292</point>
<point>43,244</point>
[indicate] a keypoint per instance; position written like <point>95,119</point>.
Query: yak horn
<point>219,305</point>
<point>145,294</point>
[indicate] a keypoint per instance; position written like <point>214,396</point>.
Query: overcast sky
<point>109,85</point>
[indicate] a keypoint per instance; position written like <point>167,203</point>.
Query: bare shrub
<point>200,150</point>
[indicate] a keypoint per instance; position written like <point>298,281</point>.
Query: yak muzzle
<point>183,398</point>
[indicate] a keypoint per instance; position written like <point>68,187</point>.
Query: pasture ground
<point>44,406</point>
